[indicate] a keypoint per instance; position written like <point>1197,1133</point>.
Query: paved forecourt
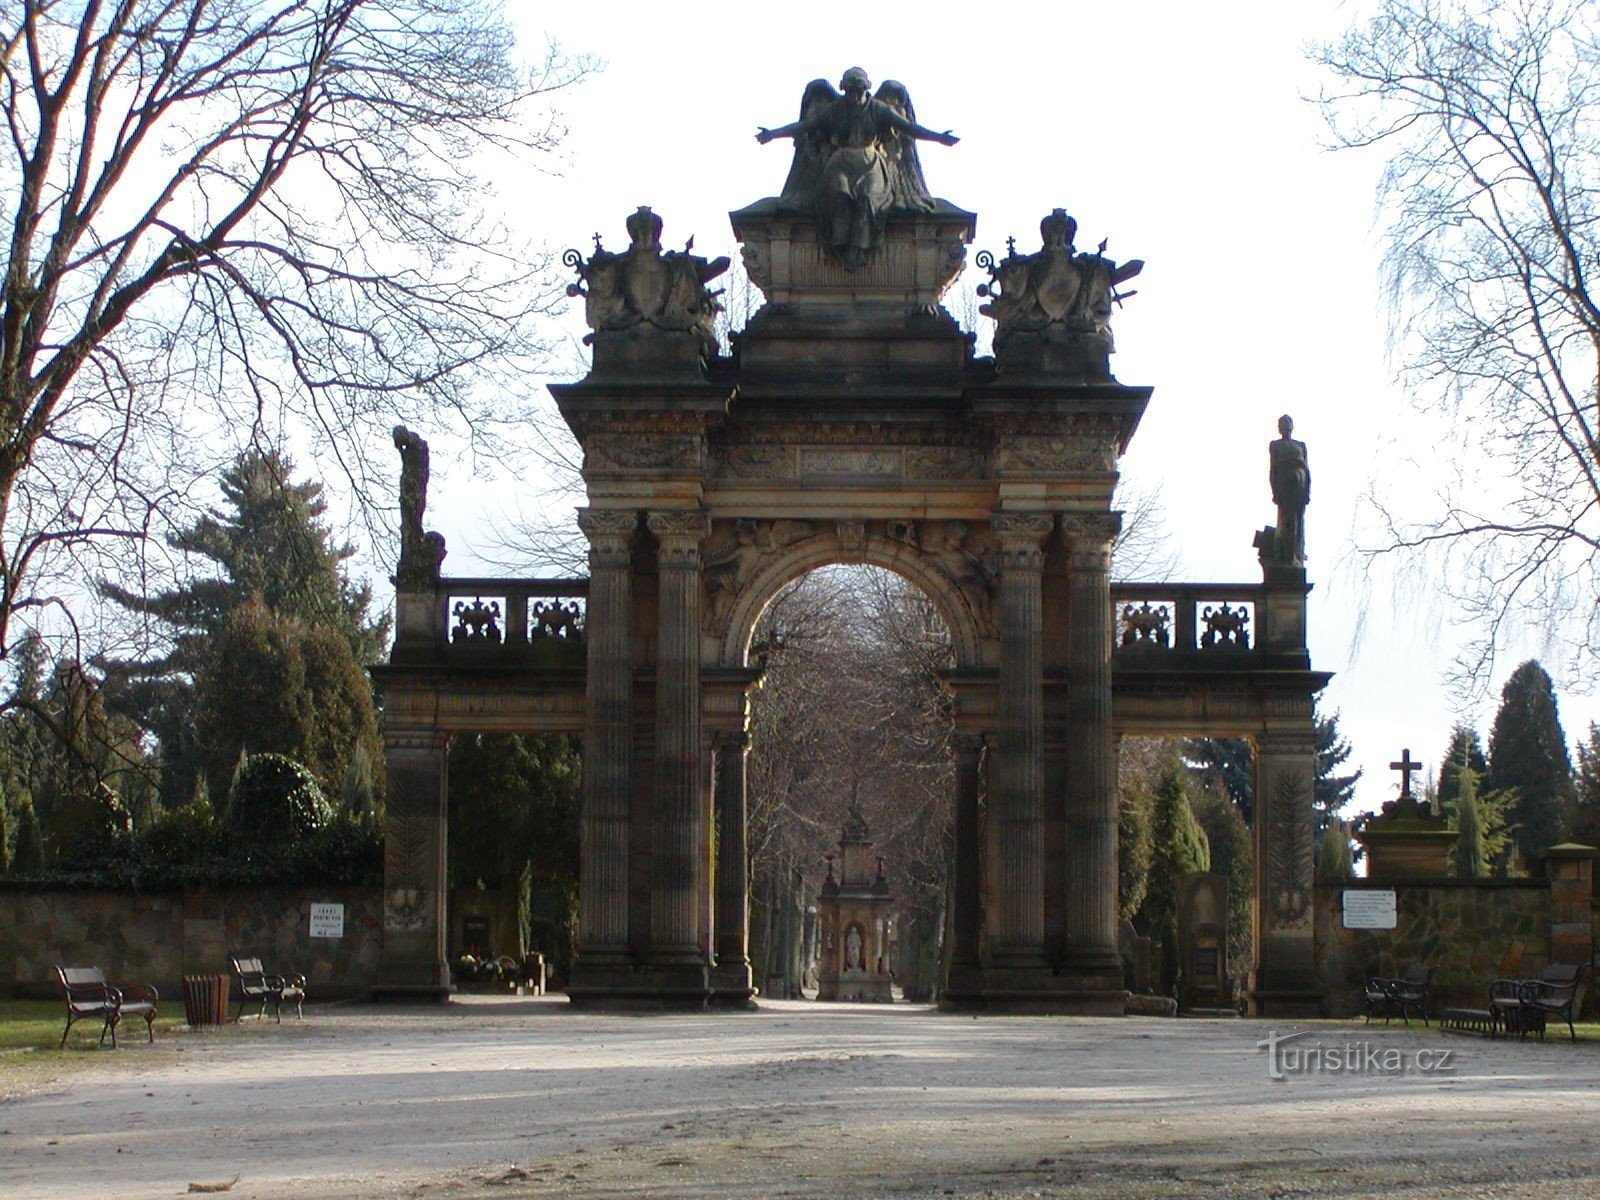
<point>521,1098</point>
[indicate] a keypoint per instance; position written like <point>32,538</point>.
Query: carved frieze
<point>943,462</point>
<point>848,462</point>
<point>1056,455</point>
<point>757,461</point>
<point>641,452</point>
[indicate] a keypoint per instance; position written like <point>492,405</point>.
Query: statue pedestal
<point>1407,842</point>
<point>881,318</point>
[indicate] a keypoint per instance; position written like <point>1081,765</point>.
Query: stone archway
<point>855,424</point>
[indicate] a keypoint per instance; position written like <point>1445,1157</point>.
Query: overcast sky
<point>1177,130</point>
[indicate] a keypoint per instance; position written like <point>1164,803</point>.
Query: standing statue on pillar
<point>1290,473</point>
<point>421,553</point>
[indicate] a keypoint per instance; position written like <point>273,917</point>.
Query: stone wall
<point>158,937</point>
<point>1472,931</point>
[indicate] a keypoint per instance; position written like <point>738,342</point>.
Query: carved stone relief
<point>1056,454</point>
<point>943,462</point>
<point>1289,851</point>
<point>641,452</point>
<point>959,551</point>
<point>733,556</point>
<point>834,462</point>
<point>756,462</point>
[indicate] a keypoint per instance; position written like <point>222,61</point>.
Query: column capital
<point>599,523</point>
<point>679,532</point>
<point>1089,538</point>
<point>1084,529</point>
<point>1022,537</point>
<point>610,534</point>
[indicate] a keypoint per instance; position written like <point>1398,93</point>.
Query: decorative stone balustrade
<point>501,620</point>
<point>1170,626</point>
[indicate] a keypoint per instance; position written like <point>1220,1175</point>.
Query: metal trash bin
<point>205,999</point>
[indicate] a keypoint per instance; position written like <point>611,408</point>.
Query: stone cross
<point>1405,766</point>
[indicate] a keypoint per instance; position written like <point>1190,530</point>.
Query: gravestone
<point>1202,942</point>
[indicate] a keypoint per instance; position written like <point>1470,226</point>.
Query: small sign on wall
<point>327,920</point>
<point>1369,908</point>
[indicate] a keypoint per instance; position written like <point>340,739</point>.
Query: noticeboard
<point>327,920</point>
<point>1369,908</point>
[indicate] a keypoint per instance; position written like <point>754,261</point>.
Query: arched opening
<point>512,816</point>
<point>850,737</point>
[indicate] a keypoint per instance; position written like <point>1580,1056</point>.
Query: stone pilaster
<point>964,972</point>
<point>1090,951</point>
<point>730,976</point>
<point>1015,912</point>
<point>412,963</point>
<point>1284,982</point>
<point>604,959</point>
<point>680,842</point>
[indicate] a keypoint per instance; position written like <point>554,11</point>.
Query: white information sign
<point>327,920</point>
<point>1369,908</point>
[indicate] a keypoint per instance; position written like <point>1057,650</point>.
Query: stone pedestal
<point>1407,842</point>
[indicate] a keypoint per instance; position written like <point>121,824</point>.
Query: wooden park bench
<point>89,995</point>
<point>1400,996</point>
<point>258,985</point>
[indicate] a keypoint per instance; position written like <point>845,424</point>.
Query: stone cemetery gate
<point>852,423</point>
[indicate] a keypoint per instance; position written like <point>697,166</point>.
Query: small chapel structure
<point>855,913</point>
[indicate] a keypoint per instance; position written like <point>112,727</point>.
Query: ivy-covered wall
<point>158,937</point>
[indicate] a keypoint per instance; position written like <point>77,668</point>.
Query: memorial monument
<point>852,422</point>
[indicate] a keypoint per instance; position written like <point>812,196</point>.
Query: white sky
<point>1175,129</point>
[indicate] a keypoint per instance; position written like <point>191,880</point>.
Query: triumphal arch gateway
<point>852,422</point>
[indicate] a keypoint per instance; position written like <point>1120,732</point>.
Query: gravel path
<point>508,1098</point>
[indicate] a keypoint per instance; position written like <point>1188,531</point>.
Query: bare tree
<point>232,217</point>
<point>1487,113</point>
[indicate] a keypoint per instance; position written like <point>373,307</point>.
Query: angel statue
<point>855,161</point>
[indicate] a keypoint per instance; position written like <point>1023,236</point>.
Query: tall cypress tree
<point>1465,750</point>
<point>1583,823</point>
<point>1528,756</point>
<point>1332,791</point>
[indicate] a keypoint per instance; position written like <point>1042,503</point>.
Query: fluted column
<point>1091,799</point>
<point>679,843</point>
<point>1016,799</point>
<point>731,975</point>
<point>608,740</point>
<point>964,979</point>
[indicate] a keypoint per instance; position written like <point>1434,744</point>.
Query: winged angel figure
<point>855,160</point>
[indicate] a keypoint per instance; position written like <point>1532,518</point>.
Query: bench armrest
<point>142,994</point>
